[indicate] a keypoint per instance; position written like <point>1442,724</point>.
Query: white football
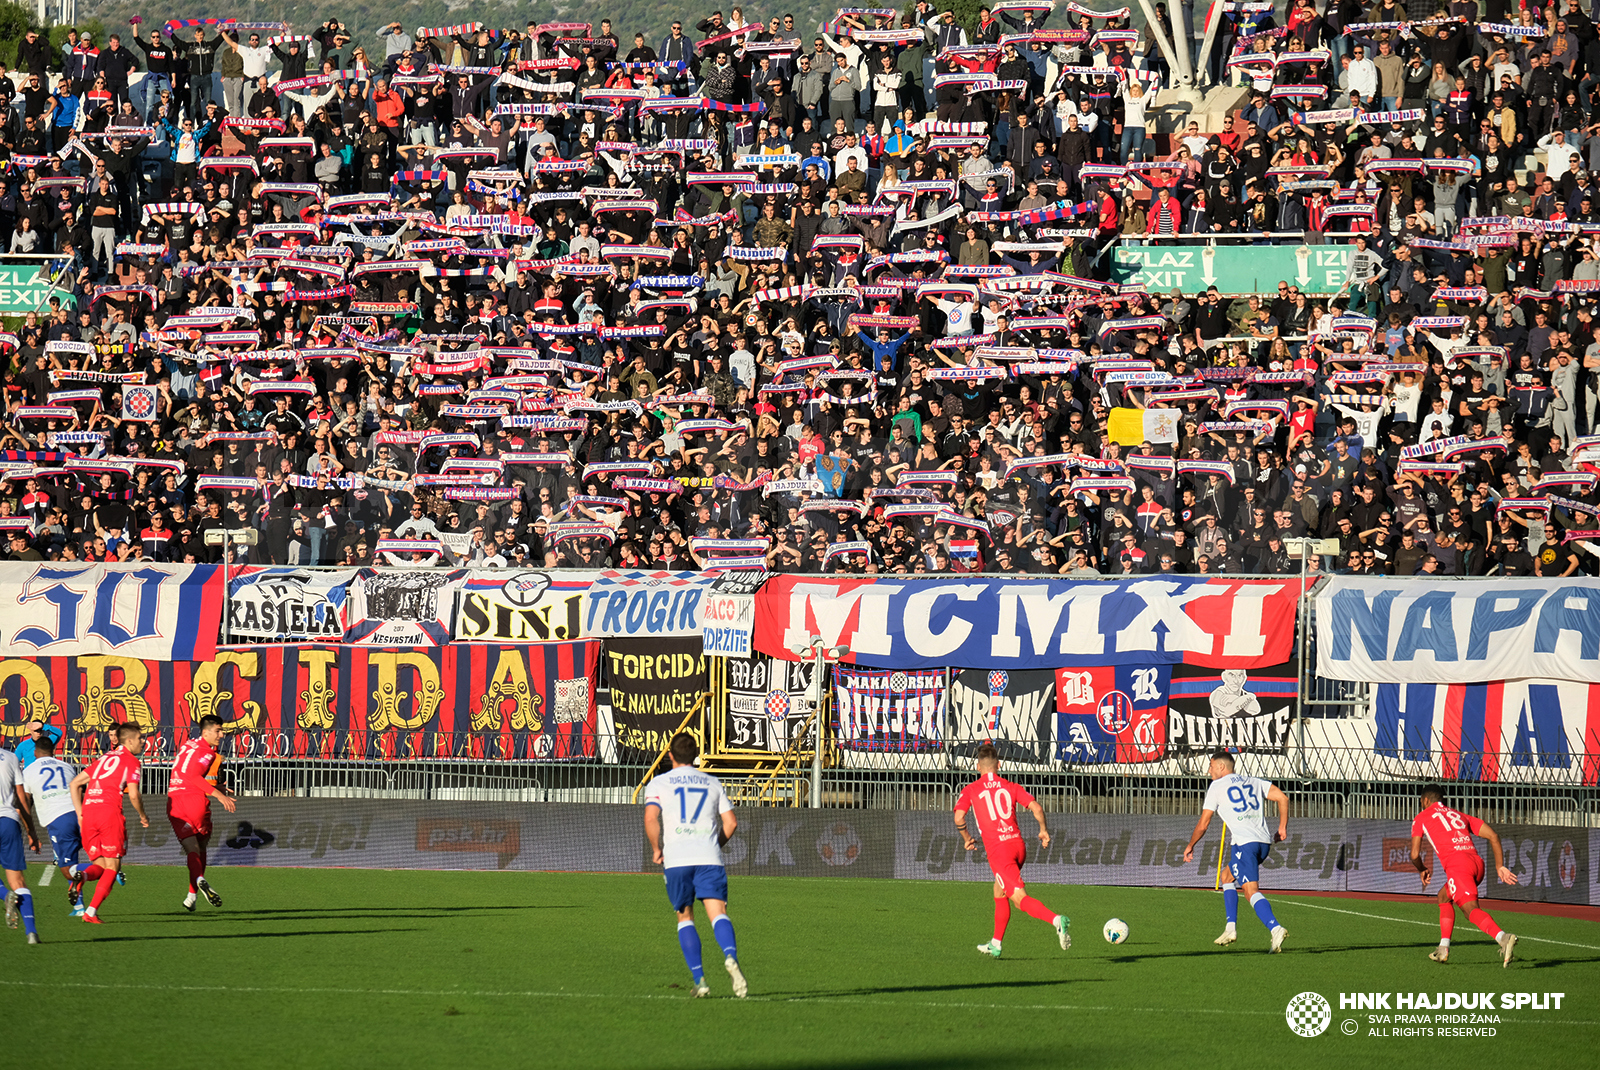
<point>1115,931</point>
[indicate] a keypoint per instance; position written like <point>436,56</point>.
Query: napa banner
<point>1546,731</point>
<point>147,610</point>
<point>1031,623</point>
<point>478,701</point>
<point>1400,631</point>
<point>521,607</point>
<point>287,605</point>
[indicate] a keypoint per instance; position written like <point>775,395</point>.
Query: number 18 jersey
<point>1450,832</point>
<point>692,804</point>
<point>1241,803</point>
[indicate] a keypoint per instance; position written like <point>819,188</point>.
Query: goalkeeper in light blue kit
<point>688,818</point>
<point>1241,801</point>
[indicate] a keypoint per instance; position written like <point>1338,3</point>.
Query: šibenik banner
<point>1399,631</point>
<point>1017,623</point>
<point>161,612</point>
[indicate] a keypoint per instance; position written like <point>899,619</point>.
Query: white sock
<point>91,911</point>
<point>1229,927</point>
<point>1444,942</point>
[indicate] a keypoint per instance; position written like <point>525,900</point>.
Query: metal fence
<point>867,789</point>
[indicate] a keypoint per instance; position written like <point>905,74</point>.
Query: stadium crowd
<point>831,299</point>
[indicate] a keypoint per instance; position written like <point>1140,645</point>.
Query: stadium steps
<point>760,779</point>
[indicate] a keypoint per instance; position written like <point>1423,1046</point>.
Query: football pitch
<point>354,968</point>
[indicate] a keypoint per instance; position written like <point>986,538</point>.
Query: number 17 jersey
<point>692,804</point>
<point>1241,801</point>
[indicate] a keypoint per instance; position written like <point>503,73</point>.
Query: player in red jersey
<point>105,832</point>
<point>194,782</point>
<point>1450,832</point>
<point>994,801</point>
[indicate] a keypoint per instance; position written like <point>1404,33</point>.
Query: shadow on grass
<point>986,1061</point>
<point>249,936</point>
<point>1291,949</point>
<point>339,913</point>
<point>886,990</point>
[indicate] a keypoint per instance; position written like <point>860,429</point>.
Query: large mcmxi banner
<point>486,701</point>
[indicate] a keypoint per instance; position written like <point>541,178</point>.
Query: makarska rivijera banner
<point>888,710</point>
<point>526,702</point>
<point>1031,623</point>
<point>655,685</point>
<point>144,610</point>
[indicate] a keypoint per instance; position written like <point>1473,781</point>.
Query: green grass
<point>347,968</point>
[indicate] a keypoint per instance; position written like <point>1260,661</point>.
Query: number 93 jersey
<point>692,804</point>
<point>1241,801</point>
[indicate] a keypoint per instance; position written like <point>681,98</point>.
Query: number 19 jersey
<point>1240,801</point>
<point>692,804</point>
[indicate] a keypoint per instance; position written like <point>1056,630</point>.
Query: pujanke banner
<point>315,701</point>
<point>1031,623</point>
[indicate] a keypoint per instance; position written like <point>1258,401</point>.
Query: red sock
<point>1035,909</point>
<point>1002,916</point>
<point>1480,917</point>
<point>1447,920</point>
<point>103,889</point>
<point>197,867</point>
<point>92,872</point>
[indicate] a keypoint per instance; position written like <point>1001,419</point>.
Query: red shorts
<point>1006,861</point>
<point>1461,879</point>
<point>105,833</point>
<point>190,814</point>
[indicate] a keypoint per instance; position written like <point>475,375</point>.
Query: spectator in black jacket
<point>116,63</point>
<point>33,54</point>
<point>201,55</point>
<point>158,59</point>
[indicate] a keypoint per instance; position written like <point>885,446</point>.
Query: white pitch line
<point>1414,921</point>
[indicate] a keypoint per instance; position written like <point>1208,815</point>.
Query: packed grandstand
<point>814,299</point>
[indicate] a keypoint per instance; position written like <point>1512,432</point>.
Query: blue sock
<point>689,939</point>
<point>1230,901</point>
<point>722,929</point>
<point>25,906</point>
<point>1264,911</point>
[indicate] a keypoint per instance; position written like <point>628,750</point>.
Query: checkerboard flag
<point>139,403</point>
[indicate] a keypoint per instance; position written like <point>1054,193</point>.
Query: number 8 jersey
<point>1240,801</point>
<point>692,804</point>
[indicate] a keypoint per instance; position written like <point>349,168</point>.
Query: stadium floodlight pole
<point>818,654</point>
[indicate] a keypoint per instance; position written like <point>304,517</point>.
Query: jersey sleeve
<point>1416,826</point>
<point>654,793</point>
<point>1020,795</point>
<point>724,804</point>
<point>1263,786</point>
<point>1213,796</point>
<point>964,800</point>
<point>1474,825</point>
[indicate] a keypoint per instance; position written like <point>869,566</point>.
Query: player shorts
<point>1007,864</point>
<point>1246,861</point>
<point>190,814</point>
<point>105,834</point>
<point>65,841</point>
<point>1461,880</point>
<point>685,884</point>
<point>12,856</point>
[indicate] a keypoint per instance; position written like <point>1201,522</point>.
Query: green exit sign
<point>23,288</point>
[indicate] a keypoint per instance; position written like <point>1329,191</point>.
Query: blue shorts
<point>685,884</point>
<point>1247,859</point>
<point>11,844</point>
<point>65,839</point>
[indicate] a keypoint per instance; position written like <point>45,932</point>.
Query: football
<point>1115,931</point>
